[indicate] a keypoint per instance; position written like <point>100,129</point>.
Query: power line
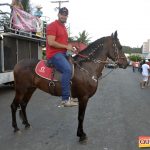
<point>59,3</point>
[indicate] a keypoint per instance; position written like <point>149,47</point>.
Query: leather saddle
<point>49,72</point>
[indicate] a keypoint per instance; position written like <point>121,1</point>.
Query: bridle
<point>87,57</point>
<point>116,53</point>
<point>117,56</point>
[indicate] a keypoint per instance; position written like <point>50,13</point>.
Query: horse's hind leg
<point>23,106</point>
<point>14,106</point>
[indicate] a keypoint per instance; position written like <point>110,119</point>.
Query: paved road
<point>116,115</point>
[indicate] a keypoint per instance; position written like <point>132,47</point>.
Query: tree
<point>135,58</point>
<point>26,5</point>
<point>129,50</point>
<point>83,37</point>
<point>71,39</point>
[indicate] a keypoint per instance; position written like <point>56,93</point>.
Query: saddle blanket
<point>45,72</point>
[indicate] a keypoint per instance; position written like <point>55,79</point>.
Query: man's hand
<point>69,47</point>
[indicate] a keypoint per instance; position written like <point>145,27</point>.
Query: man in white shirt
<point>145,74</point>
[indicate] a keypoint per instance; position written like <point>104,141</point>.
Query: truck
<point>15,45</point>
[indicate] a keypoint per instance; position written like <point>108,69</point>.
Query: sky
<point>101,18</point>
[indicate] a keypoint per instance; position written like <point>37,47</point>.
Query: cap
<point>63,11</point>
<point>39,7</point>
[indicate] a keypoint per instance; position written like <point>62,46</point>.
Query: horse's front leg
<point>82,107</point>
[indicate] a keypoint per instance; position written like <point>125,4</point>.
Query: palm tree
<point>26,5</point>
<point>83,37</point>
<point>71,39</point>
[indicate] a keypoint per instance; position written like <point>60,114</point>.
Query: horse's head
<point>99,50</point>
<point>115,51</point>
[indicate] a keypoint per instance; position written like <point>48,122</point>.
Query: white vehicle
<point>6,76</point>
<point>15,45</point>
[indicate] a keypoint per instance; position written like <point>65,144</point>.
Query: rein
<point>117,58</point>
<point>87,56</point>
<point>93,77</point>
<point>104,76</point>
<point>93,60</point>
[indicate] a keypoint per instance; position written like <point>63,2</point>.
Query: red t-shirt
<point>59,31</point>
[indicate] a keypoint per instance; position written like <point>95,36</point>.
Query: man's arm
<point>53,43</point>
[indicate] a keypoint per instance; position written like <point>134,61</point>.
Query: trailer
<point>16,45</point>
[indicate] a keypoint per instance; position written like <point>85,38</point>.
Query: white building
<point>146,49</point>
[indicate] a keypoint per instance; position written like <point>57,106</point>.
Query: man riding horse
<point>56,47</point>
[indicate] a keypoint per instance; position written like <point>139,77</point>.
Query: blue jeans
<point>61,63</point>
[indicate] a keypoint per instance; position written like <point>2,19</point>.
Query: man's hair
<point>63,11</point>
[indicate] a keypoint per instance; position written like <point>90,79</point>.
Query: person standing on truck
<point>17,4</point>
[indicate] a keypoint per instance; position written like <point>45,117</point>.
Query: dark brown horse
<point>88,67</point>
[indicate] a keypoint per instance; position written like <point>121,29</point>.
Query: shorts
<point>145,78</point>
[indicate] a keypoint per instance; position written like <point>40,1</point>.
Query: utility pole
<point>59,3</point>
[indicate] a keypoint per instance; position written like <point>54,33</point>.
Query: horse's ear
<point>115,35</point>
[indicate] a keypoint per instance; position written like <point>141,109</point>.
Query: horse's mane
<point>91,51</point>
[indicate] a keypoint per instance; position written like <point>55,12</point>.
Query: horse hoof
<point>17,131</point>
<point>28,126</point>
<point>83,139</point>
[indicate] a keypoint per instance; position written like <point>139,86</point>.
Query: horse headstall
<point>116,53</point>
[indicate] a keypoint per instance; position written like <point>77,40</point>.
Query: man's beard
<point>63,21</point>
